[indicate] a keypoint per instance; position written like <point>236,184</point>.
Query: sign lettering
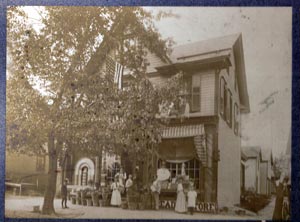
<point>203,207</point>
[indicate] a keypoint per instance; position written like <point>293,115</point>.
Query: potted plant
<point>95,197</point>
<point>78,197</point>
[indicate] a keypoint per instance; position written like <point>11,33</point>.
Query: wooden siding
<point>229,166</point>
<point>153,61</point>
<point>251,174</point>
<point>229,76</point>
<point>207,106</point>
<point>207,87</point>
<point>264,178</point>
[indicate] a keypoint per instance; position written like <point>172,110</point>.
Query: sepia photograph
<point>148,112</point>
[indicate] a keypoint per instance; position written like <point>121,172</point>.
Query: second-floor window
<point>236,119</point>
<point>196,93</point>
<point>222,96</point>
<point>229,108</point>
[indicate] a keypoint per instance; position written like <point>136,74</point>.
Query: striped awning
<point>195,131</point>
<point>183,131</point>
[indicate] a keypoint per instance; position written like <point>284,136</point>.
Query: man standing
<point>64,194</point>
<point>128,187</point>
<point>155,189</point>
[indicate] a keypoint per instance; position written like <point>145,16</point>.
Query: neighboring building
<point>251,158</point>
<point>266,172</point>
<point>256,170</point>
<point>21,168</point>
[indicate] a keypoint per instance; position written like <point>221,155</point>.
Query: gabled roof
<point>251,152</point>
<point>212,51</point>
<point>266,155</point>
<point>203,47</point>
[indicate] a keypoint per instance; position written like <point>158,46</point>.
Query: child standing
<point>192,197</point>
<point>64,194</point>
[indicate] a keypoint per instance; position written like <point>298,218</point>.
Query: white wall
<point>250,174</point>
<point>229,166</point>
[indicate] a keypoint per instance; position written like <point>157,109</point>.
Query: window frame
<point>236,119</point>
<point>222,96</point>
<point>196,84</point>
<point>192,169</point>
<point>229,109</point>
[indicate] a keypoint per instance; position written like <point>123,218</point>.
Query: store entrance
<point>191,168</point>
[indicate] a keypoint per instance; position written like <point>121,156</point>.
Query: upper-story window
<point>222,96</point>
<point>229,108</point>
<point>236,119</point>
<point>196,93</point>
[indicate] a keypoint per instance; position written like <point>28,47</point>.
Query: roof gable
<point>251,152</point>
<point>208,51</point>
<point>214,45</point>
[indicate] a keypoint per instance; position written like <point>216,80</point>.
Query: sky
<point>267,43</point>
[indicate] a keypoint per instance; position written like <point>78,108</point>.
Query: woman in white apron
<point>116,195</point>
<point>180,206</point>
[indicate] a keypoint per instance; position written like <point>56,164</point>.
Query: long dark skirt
<point>277,214</point>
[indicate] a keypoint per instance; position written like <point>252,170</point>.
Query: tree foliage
<point>58,93</point>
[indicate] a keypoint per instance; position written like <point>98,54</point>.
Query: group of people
<point>185,202</point>
<point>118,187</point>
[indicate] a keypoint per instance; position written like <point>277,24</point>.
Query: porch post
<point>97,169</point>
<point>208,171</point>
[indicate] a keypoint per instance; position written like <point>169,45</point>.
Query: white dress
<point>192,197</point>
<point>180,206</point>
<point>116,196</point>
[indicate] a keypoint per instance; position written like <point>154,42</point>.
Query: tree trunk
<point>48,206</point>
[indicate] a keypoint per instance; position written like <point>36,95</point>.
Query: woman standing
<point>180,206</point>
<point>116,195</point>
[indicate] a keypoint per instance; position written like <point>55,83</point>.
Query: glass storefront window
<point>192,169</point>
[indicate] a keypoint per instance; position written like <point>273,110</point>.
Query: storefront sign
<point>204,207</point>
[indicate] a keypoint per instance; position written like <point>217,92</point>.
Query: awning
<point>184,142</point>
<point>183,131</point>
<point>177,149</point>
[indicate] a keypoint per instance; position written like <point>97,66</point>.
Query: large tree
<point>58,94</point>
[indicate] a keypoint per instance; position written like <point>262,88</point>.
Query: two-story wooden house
<point>207,140</point>
<point>216,91</point>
